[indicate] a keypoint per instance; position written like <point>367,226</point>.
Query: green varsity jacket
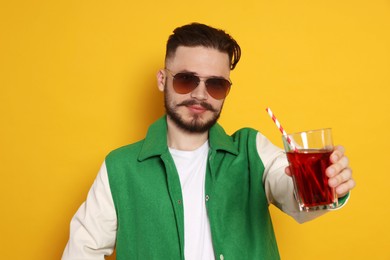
<point>148,201</point>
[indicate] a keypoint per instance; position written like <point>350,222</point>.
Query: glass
<point>186,82</point>
<point>309,156</point>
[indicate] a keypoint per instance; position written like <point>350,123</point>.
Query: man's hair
<point>196,34</point>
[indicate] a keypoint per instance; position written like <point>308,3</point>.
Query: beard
<point>196,124</point>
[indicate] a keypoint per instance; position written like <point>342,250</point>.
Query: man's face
<point>196,111</point>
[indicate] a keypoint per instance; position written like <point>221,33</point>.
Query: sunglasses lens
<point>184,83</point>
<point>218,88</point>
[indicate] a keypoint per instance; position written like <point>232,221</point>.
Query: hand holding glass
<point>309,156</point>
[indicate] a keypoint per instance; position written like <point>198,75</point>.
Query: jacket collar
<point>155,143</point>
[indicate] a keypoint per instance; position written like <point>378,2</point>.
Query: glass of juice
<point>308,154</point>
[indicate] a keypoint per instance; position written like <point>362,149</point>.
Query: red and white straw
<point>279,126</point>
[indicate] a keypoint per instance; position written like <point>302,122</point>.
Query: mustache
<point>202,104</point>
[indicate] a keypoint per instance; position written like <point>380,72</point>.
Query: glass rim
<point>310,131</point>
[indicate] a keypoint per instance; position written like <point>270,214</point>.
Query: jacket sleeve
<point>93,227</point>
<point>278,185</point>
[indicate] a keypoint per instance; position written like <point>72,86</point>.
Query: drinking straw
<point>279,126</point>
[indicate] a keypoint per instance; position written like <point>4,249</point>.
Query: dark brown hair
<point>196,34</point>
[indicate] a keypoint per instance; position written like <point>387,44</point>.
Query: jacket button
<point>179,201</point>
<point>221,257</point>
<point>207,197</point>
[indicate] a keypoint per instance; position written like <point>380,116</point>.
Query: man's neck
<point>183,140</point>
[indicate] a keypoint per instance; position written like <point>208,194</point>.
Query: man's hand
<point>339,173</point>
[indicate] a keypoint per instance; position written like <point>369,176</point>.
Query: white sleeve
<point>278,185</point>
<point>93,227</point>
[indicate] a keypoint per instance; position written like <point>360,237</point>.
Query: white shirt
<point>93,228</point>
<point>191,167</point>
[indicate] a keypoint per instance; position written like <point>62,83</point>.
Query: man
<point>188,190</point>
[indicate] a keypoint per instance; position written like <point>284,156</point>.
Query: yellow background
<point>77,79</point>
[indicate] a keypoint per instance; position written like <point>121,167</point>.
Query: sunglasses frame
<point>200,79</point>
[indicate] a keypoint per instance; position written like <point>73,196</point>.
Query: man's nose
<point>200,92</point>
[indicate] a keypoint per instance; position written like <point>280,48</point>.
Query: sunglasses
<point>186,82</point>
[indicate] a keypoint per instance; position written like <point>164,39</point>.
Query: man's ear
<point>161,79</point>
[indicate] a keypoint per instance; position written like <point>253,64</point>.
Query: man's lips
<point>197,106</point>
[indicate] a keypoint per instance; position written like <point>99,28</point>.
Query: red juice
<point>311,183</point>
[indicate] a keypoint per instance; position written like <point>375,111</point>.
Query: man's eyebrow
<point>196,74</point>
<point>187,71</point>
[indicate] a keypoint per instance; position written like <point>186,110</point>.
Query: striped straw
<point>279,126</point>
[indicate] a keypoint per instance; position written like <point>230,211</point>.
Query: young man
<point>188,190</point>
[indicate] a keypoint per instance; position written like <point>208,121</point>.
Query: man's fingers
<point>337,167</point>
<point>338,152</point>
<point>344,176</point>
<point>344,188</point>
<point>288,171</point>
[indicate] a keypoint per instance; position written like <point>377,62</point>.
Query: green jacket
<point>148,201</point>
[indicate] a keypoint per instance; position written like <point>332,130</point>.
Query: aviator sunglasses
<point>186,82</point>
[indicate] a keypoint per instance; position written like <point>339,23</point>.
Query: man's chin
<point>194,125</point>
